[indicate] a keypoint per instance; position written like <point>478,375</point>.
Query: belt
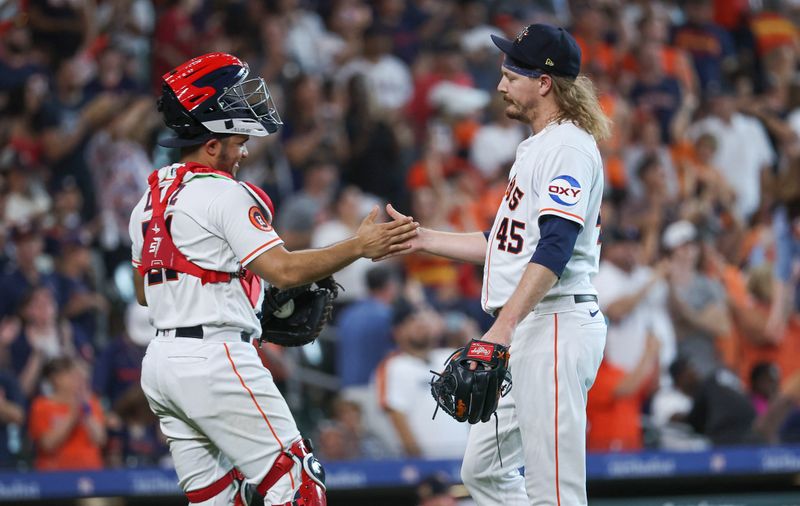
<point>196,332</point>
<point>577,298</point>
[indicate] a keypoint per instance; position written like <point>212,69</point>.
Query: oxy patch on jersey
<point>258,220</point>
<point>565,190</point>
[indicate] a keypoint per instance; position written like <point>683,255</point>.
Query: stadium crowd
<point>394,101</point>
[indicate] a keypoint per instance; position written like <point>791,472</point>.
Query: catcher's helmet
<point>211,95</point>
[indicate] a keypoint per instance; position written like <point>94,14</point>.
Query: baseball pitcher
<point>538,258</point>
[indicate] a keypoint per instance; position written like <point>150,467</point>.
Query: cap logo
<point>521,35</point>
<point>549,62</point>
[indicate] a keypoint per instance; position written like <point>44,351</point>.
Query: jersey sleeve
<point>241,222</point>
<point>564,183</point>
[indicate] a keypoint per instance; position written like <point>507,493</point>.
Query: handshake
<point>379,241</point>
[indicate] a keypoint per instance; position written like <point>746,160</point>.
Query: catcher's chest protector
<point>159,251</point>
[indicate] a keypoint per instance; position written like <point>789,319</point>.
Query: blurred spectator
<point>614,410</point>
<point>476,43</point>
<point>720,409</point>
<point>403,389</point>
<point>365,328</point>
<point>119,162</point>
<point>111,75</point>
<point>710,47</point>
<point>446,64</point>
<point>43,336</point>
<point>648,142</point>
<point>67,426</point>
<point>17,59</point>
<point>134,437</point>
<point>60,28</point>
<point>403,21</point>
<point>176,37</point>
<point>119,366</point>
<point>25,108</point>
<point>130,27</point>
<point>345,437</point>
<point>634,302</point>
<point>697,303</point>
<point>375,161</point>
<point>764,386</point>
<point>654,28</point>
<point>308,42</point>
<point>67,123</point>
<point>652,208</point>
<point>785,299</point>
<point>78,300</point>
<point>349,207</point>
<point>654,91</point>
<point>310,205</point>
<point>743,149</point>
<point>312,127</point>
<point>388,79</point>
<point>12,420</point>
<point>590,27</point>
<point>26,270</point>
<point>27,200</point>
<point>140,442</point>
<point>495,143</point>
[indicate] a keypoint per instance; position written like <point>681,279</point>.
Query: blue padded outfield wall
<point>16,486</point>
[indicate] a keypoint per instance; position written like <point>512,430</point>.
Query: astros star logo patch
<point>258,220</point>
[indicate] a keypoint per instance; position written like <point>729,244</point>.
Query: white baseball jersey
<point>217,225</point>
<point>558,171</point>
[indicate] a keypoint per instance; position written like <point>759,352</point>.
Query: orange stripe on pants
<point>555,378</point>
<point>252,396</point>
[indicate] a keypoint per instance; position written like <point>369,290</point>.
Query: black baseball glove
<point>472,395</point>
<point>296,316</point>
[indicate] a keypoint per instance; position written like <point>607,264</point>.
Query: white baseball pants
<point>219,408</point>
<point>555,354</point>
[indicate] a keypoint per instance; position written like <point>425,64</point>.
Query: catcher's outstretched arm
<point>286,269</point>
<point>461,246</point>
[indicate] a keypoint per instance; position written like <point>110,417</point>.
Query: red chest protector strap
<point>159,251</point>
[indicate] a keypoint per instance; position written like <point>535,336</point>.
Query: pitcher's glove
<point>472,395</point>
<point>296,316</point>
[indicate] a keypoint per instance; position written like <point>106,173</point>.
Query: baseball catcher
<point>296,316</point>
<point>473,380</point>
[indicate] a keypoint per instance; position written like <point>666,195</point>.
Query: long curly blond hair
<point>577,101</point>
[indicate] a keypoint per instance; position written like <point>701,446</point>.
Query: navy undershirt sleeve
<point>486,234</point>
<point>558,236</point>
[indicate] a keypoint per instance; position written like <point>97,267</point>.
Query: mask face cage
<point>252,97</point>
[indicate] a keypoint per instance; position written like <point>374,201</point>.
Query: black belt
<point>196,332</point>
<point>578,299</point>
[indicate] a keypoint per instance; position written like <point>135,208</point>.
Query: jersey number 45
<point>508,236</point>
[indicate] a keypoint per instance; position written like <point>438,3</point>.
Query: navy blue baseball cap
<point>541,49</point>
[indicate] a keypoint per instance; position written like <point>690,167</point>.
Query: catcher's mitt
<point>296,316</point>
<point>472,395</point>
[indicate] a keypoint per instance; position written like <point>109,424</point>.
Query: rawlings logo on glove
<point>296,316</point>
<point>473,380</point>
